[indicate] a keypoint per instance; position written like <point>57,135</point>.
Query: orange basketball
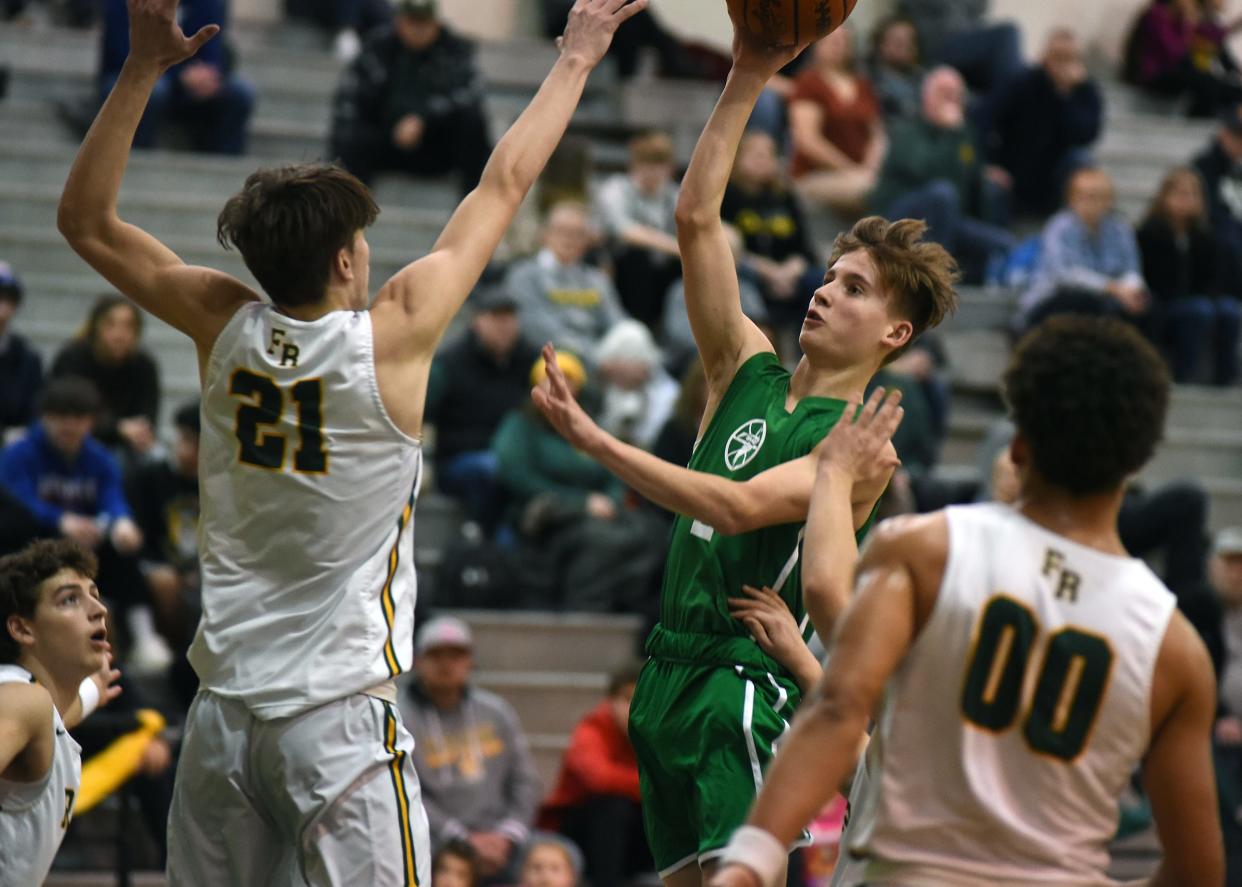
<point>789,22</point>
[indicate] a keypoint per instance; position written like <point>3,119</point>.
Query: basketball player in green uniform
<point>711,704</point>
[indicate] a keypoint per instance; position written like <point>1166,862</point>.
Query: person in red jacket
<point>596,802</point>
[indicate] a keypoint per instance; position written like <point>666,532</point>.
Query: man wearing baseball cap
<point>478,780</point>
<point>412,101</point>
<point>21,370</point>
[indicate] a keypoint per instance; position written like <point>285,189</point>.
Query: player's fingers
<point>628,11</point>
<point>204,34</point>
<point>874,402</point>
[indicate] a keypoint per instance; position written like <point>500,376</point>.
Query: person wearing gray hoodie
<point>478,780</point>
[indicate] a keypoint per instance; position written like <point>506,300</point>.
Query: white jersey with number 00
<point>34,815</point>
<point>1018,715</point>
<point>306,533</point>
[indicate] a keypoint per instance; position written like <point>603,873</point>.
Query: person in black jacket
<point>1220,165</point>
<point>475,383</point>
<point>1044,122</point>
<point>1180,264</point>
<point>108,354</point>
<point>412,101</point>
<point>21,370</point>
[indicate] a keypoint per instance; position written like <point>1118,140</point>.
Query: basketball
<point>790,22</point>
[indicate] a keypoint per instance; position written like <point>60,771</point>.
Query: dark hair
<point>21,575</point>
<point>919,275</point>
<point>69,396</point>
<point>189,418</point>
<point>460,849</point>
<point>886,24</point>
<point>1156,210</point>
<point>1089,396</point>
<point>624,676</point>
<point>290,222</point>
<point>103,305</point>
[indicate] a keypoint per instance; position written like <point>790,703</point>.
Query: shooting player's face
<point>848,315</point>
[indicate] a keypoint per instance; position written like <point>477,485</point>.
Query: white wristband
<point>759,851</point>
<point>88,694</point>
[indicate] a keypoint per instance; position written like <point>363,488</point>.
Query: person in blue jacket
<point>70,485</point>
<point>204,94</point>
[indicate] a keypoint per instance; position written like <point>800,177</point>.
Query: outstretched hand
<point>157,38</point>
<point>555,400</point>
<point>862,448</point>
<point>592,24</point>
<point>750,53</point>
<point>106,680</point>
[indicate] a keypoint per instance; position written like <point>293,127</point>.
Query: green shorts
<point>705,720</point>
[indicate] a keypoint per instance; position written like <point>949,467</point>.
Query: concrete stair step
<point>546,701</point>
<point>572,642</point>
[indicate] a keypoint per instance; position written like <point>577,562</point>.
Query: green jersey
<point>750,433</point>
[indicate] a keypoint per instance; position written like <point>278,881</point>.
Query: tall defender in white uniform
<point>52,641</point>
<point>296,768</point>
<point>1019,664</point>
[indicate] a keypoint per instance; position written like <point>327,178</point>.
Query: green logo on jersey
<point>744,444</point>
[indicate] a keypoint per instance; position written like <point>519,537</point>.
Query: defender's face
<point>848,316</point>
<point>68,628</point>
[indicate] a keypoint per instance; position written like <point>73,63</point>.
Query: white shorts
<point>326,797</point>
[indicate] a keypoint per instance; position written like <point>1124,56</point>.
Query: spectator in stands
<point>679,434</point>
<point>204,95</point>
<point>551,861</point>
<point>454,865</point>
<point>1044,123</point>
<point>164,496</point>
<point>895,67</point>
<point>636,210</point>
<point>1178,50</point>
<point>934,171</point>
<point>476,382</point>
<point>71,485</point>
<point>952,32</point>
<point>1089,260</point>
<point>21,369</point>
<point>1220,165</point>
<point>108,353</point>
<point>838,133</point>
<point>412,101</point>
<point>596,802</point>
<point>562,299</point>
<point>478,781</point>
<point>345,20</point>
<point>638,393</point>
<point>777,250</point>
<point>1180,260</point>
<point>593,554</point>
<point>918,375</point>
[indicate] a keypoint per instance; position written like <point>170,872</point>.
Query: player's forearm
<point>830,550</point>
<point>721,504</point>
<point>818,755</point>
<point>90,194</point>
<point>703,188</point>
<point>806,670</point>
<point>523,151</point>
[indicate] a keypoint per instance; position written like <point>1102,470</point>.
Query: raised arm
<point>725,336</point>
<point>198,301</point>
<point>424,296</point>
<point>780,495</point>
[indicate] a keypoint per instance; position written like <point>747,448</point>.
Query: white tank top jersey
<point>307,526</point>
<point>34,815</point>
<point>1017,717</point>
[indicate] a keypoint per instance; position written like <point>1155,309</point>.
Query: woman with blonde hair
<point>1181,264</point>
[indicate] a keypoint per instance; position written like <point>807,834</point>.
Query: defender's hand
<point>555,399</point>
<point>156,38</point>
<point>768,619</point>
<point>591,26</point>
<point>860,448</point>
